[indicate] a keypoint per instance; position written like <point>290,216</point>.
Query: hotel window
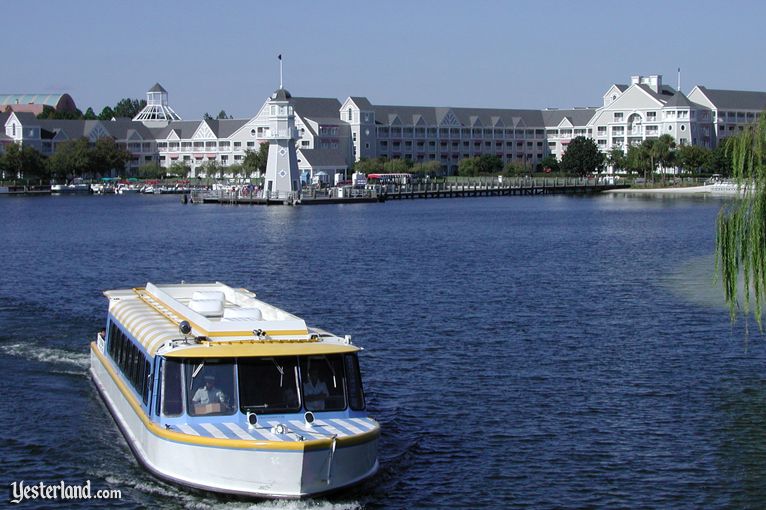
<point>237,144</point>
<point>602,130</point>
<point>618,116</point>
<point>350,114</point>
<point>651,115</point>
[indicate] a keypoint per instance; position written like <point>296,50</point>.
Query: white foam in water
<point>35,352</point>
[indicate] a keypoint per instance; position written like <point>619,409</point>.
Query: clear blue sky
<point>512,54</point>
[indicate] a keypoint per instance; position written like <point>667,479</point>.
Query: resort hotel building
<point>331,135</point>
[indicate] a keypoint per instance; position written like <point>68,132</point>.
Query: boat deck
<point>321,429</point>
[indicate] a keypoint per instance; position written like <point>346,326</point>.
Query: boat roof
<point>224,322</point>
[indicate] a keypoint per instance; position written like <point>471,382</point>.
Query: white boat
<point>70,188</point>
<point>718,185</point>
<point>217,390</point>
<point>126,190</point>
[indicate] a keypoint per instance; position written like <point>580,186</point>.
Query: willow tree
<point>741,227</point>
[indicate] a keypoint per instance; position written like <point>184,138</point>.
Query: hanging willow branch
<point>741,227</point>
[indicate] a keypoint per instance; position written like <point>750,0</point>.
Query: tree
<point>663,153</point>
<point>90,114</point>
<point>207,116</point>
<point>741,227</point>
<point>397,166</point>
<point>468,167</point>
<point>582,157</point>
<point>150,171</point>
<point>369,166</point>
<point>428,168</point>
<point>106,114</point>
<point>180,170</point>
<point>550,162</point>
<point>692,158</point>
<point>234,170</point>
<point>23,161</point>
<point>719,161</point>
<point>106,155</point>
<point>50,113</point>
<point>128,108</point>
<point>514,169</point>
<point>638,159</point>
<point>71,158</point>
<point>212,169</point>
<point>222,115</point>
<point>255,161</point>
<point>617,159</point>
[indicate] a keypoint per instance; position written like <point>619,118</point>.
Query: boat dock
<point>478,188</point>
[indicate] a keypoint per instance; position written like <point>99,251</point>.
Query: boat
<point>216,390</point>
<point>75,187</point>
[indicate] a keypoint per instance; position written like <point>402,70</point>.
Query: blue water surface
<point>520,352</point>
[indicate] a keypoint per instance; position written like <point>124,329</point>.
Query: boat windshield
<point>210,388</point>
<point>323,383</point>
<point>269,385</point>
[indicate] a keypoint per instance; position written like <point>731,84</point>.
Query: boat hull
<point>263,470</point>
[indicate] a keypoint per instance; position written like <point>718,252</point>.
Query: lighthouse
<point>282,178</point>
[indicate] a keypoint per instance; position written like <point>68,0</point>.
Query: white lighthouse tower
<point>282,179</point>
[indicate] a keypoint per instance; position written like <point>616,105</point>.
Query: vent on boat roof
<point>242,314</point>
<point>209,304</point>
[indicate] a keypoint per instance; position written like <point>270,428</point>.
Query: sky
<point>222,55</point>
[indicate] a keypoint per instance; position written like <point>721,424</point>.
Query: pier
<point>423,190</point>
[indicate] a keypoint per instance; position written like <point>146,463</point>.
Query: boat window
<point>172,399</point>
<point>268,385</point>
<point>147,383</point>
<point>323,383</point>
<point>353,382</point>
<point>210,387</point>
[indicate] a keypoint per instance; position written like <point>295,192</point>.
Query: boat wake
<point>60,357</point>
<point>166,496</point>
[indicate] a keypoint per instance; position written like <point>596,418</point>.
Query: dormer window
<point>350,114</point>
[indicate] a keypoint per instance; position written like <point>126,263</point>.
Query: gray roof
<point>316,107</point>
<point>26,117</point>
<point>281,95</point>
<point>324,157</point>
<point>183,128</point>
<point>665,93</point>
<point>487,117</point>
<point>679,100</point>
<point>157,88</point>
<point>362,102</point>
<point>224,128</point>
<point>577,116</point>
<point>735,99</point>
<point>74,129</point>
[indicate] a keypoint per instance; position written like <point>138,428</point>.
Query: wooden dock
<point>515,188</point>
<point>467,188</point>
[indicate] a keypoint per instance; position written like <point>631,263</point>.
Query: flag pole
<point>280,70</point>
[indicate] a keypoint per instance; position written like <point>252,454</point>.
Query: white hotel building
<point>333,135</point>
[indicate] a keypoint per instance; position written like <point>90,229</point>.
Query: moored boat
<point>217,390</point>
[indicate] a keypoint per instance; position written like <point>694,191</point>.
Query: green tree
<point>128,108</point>
<point>692,158</point>
<point>23,162</point>
<point>222,115</point>
<point>212,169</point>
<point>151,171</point>
<point>514,169</point>
<point>255,161</point>
<point>663,153</point>
<point>71,158</point>
<point>50,113</point>
<point>179,169</point>
<point>207,116</point>
<point>719,161</point>
<point>468,167</point>
<point>106,155</point>
<point>90,114</point>
<point>369,166</point>
<point>235,170</point>
<point>427,168</point>
<point>397,166</point>
<point>741,227</point>
<point>106,114</point>
<point>582,157</point>
<point>617,159</point>
<point>550,162</point>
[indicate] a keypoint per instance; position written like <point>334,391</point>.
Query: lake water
<point>520,352</point>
